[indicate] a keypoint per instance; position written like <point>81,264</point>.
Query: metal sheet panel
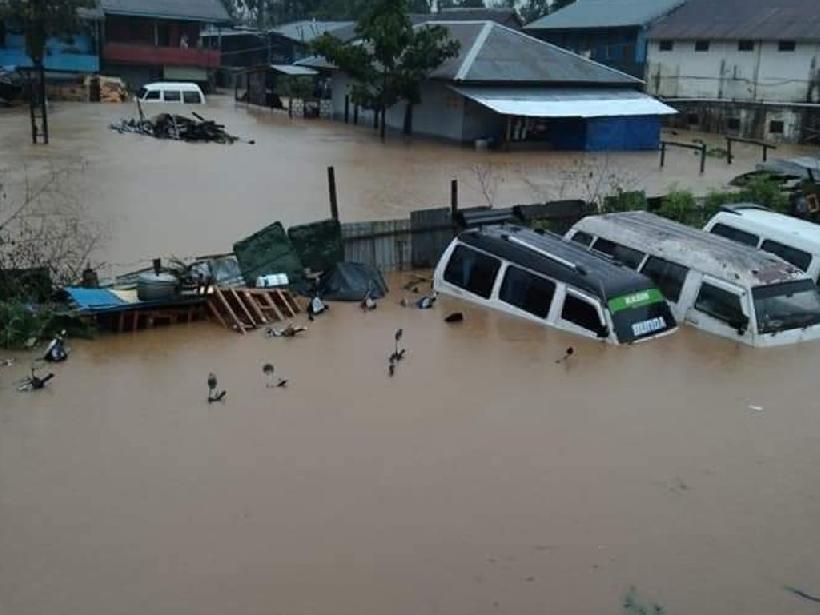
<point>185,73</point>
<point>604,14</point>
<point>563,102</point>
<point>293,70</point>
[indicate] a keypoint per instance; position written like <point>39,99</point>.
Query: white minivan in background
<point>711,282</point>
<point>794,240</point>
<point>171,93</point>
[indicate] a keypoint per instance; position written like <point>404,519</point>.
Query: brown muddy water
<point>483,478</point>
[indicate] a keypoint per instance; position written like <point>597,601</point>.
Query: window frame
<point>779,124</point>
<point>614,254</point>
<point>786,46</point>
<point>585,235</point>
<point>173,100</point>
<point>191,93</point>
<point>661,287</point>
<point>467,247</point>
<point>723,287</point>
<point>702,45</point>
<point>738,232</point>
<point>745,45</point>
<point>578,328</point>
<point>541,279</point>
<point>666,45</point>
<point>807,256</point>
<point>157,95</point>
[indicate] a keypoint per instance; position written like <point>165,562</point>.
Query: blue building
<point>75,53</point>
<point>612,32</point>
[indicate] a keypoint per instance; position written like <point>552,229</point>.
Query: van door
<point>723,309</point>
<point>583,315</point>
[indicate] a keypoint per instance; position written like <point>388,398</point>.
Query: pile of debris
<point>178,128</point>
<point>112,90</point>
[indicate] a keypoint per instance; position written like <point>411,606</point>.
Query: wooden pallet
<point>241,309</point>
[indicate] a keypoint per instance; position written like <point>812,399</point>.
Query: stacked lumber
<point>112,90</point>
<point>242,309</point>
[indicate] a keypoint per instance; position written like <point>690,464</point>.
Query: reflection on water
<point>483,478</point>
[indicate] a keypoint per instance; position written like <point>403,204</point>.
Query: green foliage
<point>391,59</point>
<point>296,87</point>
<point>680,205</point>
<point>534,9</point>
<point>22,324</point>
<point>766,191</point>
<point>559,4</point>
<point>42,19</point>
<point>625,201</point>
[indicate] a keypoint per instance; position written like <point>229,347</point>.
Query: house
<point>506,86</point>
<point>291,42</point>
<point>743,67</point>
<point>152,40</point>
<point>502,15</point>
<point>612,32</point>
<point>77,53</point>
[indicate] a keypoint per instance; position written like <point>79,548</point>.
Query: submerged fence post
<point>663,152</point>
<point>765,152</point>
<point>454,198</point>
<point>356,114</point>
<point>331,188</point>
<point>290,107</point>
<point>702,158</point>
<point>728,150</point>
<point>347,108</point>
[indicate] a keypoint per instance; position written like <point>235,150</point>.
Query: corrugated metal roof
<point>604,14</point>
<point>491,52</point>
<point>319,62</point>
<point>293,70</point>
<point>742,19</point>
<point>194,10</point>
<point>499,14</point>
<point>565,102</point>
<point>308,30</point>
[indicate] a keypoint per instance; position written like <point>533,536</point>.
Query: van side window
<point>152,95</point>
<point>796,257</point>
<point>583,238</point>
<point>626,256</point>
<point>719,303</point>
<point>172,96</point>
<point>581,313</point>
<point>191,98</point>
<point>472,271</point>
<point>668,276</point>
<point>526,291</point>
<point>735,235</point>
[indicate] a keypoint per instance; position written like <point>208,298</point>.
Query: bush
<point>680,206</point>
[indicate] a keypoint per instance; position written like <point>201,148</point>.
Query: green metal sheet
<point>266,252</point>
<point>319,244</point>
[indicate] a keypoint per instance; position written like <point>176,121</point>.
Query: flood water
<point>483,478</point>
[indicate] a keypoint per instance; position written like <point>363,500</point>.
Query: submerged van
<point>171,93</point>
<point>715,284</point>
<point>794,240</point>
<point>543,278</point>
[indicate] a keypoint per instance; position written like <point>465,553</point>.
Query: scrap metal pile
<point>178,128</point>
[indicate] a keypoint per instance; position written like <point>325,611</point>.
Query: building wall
<point>76,54</point>
<point>725,72</point>
<point>621,48</point>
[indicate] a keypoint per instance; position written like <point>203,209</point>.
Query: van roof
<point>180,85</point>
<point>693,248</point>
<point>780,227</point>
<point>597,274</point>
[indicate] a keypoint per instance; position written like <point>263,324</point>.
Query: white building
<point>745,67</point>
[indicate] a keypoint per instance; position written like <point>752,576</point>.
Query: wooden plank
<point>280,301</point>
<point>250,300</point>
<point>291,301</point>
<point>272,305</point>
<point>215,312</point>
<point>238,299</point>
<point>238,325</point>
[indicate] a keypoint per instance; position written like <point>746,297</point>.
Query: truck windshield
<point>640,315</point>
<point>790,305</point>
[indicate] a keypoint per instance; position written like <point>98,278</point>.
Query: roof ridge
<point>471,55</point>
<point>568,52</point>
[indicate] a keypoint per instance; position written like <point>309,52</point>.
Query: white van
<point>713,283</point>
<point>553,282</point>
<point>171,93</point>
<point>794,240</point>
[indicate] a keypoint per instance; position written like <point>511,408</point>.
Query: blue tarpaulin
<point>622,133</point>
<point>94,299</point>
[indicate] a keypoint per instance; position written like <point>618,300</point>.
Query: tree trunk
<point>408,119</point>
<point>42,71</point>
<point>382,133</point>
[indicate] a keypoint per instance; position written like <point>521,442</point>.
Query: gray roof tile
<point>195,10</point>
<point>604,14</point>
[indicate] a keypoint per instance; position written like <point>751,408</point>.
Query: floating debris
<point>177,128</point>
<point>454,317</point>
<point>567,354</point>
<point>34,382</point>
<point>213,394</point>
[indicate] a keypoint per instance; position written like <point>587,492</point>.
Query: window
<point>629,257</point>
<point>776,127</point>
<point>152,95</point>
<point>191,98</point>
<point>473,271</point>
<point>583,238</point>
<point>701,45</point>
<point>786,45</point>
<point>745,45</point>
<point>172,96</point>
<point>720,304</point>
<point>665,45</point>
<point>526,291</point>
<point>796,257</point>
<point>789,305</point>
<point>733,123</point>
<point>668,276</point>
<point>582,313</point>
<point>734,234</point>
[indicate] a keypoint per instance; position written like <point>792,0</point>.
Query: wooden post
<point>157,264</point>
<point>663,153</point>
<point>454,198</point>
<point>290,107</point>
<point>508,134</point>
<point>347,109</point>
<point>728,150</point>
<point>331,188</point>
<point>702,158</point>
<point>375,119</point>
<point>356,115</point>
<point>765,152</point>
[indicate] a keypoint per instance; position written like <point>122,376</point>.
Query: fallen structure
<point>177,128</point>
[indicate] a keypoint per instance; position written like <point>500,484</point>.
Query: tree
<point>391,58</point>
<point>534,9</point>
<point>41,20</point>
<point>559,4</point>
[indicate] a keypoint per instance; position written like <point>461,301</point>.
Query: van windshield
<point>141,93</point>
<point>790,305</point>
<point>640,315</point>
